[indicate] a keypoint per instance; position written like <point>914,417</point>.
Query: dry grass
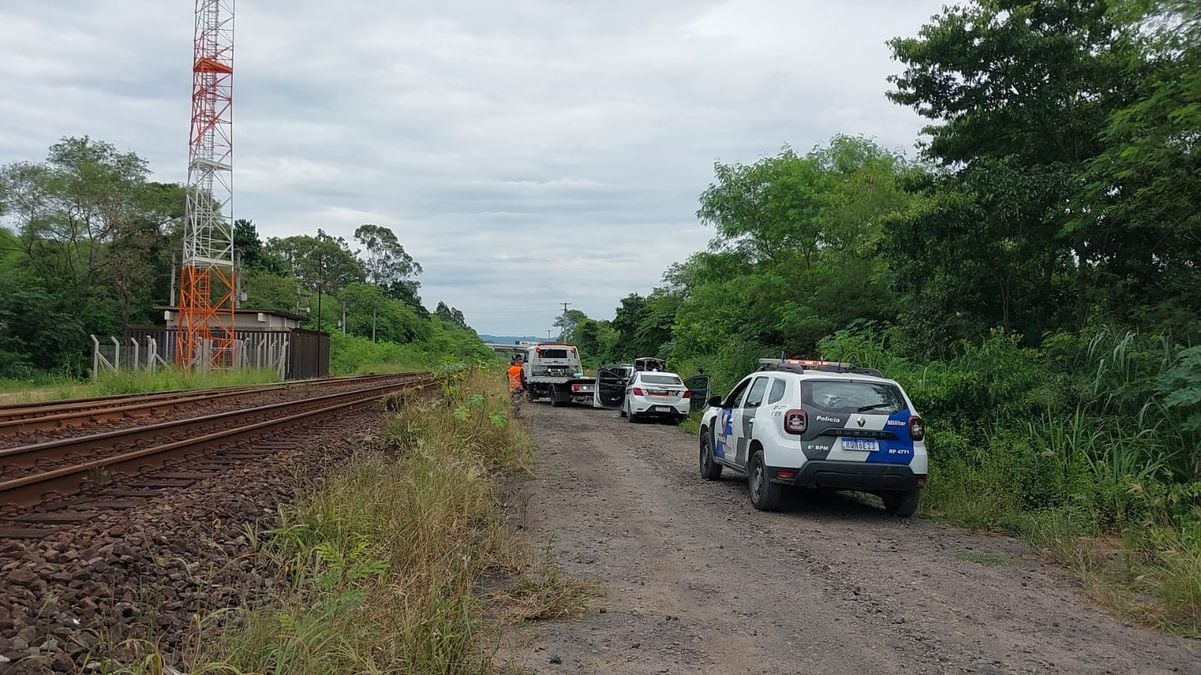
<point>1156,585</point>
<point>387,561</point>
<point>543,592</point>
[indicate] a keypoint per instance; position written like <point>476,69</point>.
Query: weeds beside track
<point>385,563</point>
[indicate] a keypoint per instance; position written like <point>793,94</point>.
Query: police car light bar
<point>814,364</point>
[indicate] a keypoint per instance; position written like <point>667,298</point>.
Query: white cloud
<point>527,152</point>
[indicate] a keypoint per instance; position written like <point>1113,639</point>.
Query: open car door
<point>610,388</point>
<point>699,386</point>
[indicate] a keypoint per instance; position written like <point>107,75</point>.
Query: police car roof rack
<point>805,365</point>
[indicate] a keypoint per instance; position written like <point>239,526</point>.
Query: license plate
<point>664,408</point>
<point>861,444</point>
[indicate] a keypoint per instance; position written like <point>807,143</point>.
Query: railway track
<point>68,480</point>
<point>22,418</point>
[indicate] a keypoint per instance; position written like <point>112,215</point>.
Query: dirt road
<point>695,580</point>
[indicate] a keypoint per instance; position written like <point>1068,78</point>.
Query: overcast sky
<point>526,152</point>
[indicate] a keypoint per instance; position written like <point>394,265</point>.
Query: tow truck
<point>553,371</point>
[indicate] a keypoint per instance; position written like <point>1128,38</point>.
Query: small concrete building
<point>245,319</point>
<point>266,338</point>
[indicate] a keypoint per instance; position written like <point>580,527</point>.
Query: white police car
<point>817,424</point>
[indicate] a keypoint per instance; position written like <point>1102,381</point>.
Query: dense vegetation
<point>86,247</point>
<point>1034,279</point>
<point>367,298</point>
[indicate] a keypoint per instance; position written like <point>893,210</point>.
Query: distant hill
<point>508,339</point>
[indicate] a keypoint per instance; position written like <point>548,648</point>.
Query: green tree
<point>567,322</point>
<point>1021,93</point>
<point>1144,191</point>
<point>795,256</point>
<point>626,320</point>
<point>370,313</point>
<point>323,264</point>
<point>69,209</point>
<point>450,315</point>
<point>94,238</point>
<point>386,262</point>
<point>767,210</point>
<point>249,247</point>
<point>265,290</point>
<point>35,334</point>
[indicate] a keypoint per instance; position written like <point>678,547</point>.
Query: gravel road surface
<point>695,580</point>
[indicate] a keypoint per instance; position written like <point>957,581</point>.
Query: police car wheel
<point>765,495</point>
<point>710,469</point>
<point>903,504</point>
<point>631,418</point>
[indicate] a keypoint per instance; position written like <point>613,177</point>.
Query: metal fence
<point>294,354</point>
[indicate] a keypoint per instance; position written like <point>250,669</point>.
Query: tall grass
<point>351,354</point>
<point>385,561</point>
<point>1082,442</point>
<point>169,379</point>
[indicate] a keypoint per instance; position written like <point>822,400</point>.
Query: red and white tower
<point>206,279</point>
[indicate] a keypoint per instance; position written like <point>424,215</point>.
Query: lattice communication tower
<point>206,279</point>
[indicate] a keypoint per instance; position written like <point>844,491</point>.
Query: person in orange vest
<point>516,377</point>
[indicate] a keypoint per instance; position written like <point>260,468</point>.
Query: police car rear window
<point>553,354</point>
<point>661,379</point>
<point>850,397</point>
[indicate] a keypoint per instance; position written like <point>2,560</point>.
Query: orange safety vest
<point>514,377</point>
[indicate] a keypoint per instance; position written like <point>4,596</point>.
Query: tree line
<point>1057,189</point>
<point>88,245</point>
<point>1033,276</point>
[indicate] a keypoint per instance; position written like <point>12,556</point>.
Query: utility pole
<point>173,301</point>
<point>565,306</point>
<point>548,333</point>
<point>237,278</point>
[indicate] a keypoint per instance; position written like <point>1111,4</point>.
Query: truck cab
<point>553,371</point>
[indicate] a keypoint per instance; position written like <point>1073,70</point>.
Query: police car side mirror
<point>715,402</point>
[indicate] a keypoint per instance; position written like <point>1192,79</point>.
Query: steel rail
<point>28,456</point>
<point>34,489</point>
<point>144,408</point>
<point>14,411</point>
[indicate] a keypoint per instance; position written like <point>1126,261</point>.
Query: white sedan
<point>656,394</point>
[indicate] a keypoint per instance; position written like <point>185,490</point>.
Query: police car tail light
<point>686,394</point>
<point>637,391</point>
<point>796,421</point>
<point>917,428</point>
